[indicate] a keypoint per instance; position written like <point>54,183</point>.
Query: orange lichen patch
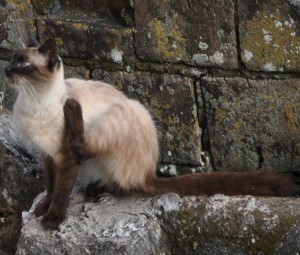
<point>288,117</point>
<point>170,43</point>
<point>80,26</point>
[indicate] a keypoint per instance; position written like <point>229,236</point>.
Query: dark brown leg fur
<point>60,178</point>
<point>66,176</point>
<point>75,131</point>
<point>43,206</point>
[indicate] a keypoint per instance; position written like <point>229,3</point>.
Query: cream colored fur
<point>119,130</point>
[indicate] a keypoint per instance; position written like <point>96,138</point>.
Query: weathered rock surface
<point>111,43</point>
<point>16,19</point>
<point>200,33</point>
<point>118,11</point>
<point>170,225</point>
<point>18,187</point>
<point>270,34</point>
<point>251,121</point>
<point>9,93</point>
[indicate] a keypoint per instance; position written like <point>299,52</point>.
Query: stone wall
<point>219,77</point>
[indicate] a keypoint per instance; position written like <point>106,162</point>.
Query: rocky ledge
<point>20,182</point>
<point>170,224</point>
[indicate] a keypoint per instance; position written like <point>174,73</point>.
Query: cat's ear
<point>32,41</point>
<point>48,49</point>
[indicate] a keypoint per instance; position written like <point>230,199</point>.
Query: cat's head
<point>37,65</point>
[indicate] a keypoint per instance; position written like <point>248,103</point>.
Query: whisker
<point>29,88</point>
<point>21,85</point>
<point>33,89</point>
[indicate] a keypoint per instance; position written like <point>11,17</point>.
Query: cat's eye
<point>23,65</point>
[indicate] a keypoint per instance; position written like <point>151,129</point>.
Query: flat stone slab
<point>200,33</point>
<point>170,224</point>
<point>251,122</point>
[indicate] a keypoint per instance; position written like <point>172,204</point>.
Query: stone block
<point>199,33</point>
<point>110,43</point>
<point>119,11</point>
<point>171,101</point>
<point>253,122</point>
<point>270,35</point>
<point>90,40</point>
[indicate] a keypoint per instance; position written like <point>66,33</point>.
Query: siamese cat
<point>91,131</point>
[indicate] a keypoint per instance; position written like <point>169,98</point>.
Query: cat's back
<point>93,89</point>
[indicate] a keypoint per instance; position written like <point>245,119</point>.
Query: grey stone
<point>79,72</point>
<point>170,224</point>
<point>119,12</point>
<point>16,19</point>
<point>270,35</point>
<point>9,93</point>
<point>253,122</point>
<point>233,225</point>
<point>109,226</point>
<point>20,183</point>
<point>200,33</point>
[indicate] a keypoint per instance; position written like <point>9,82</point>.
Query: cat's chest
<point>42,132</point>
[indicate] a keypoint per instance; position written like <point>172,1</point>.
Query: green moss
<point>220,114</point>
<point>181,222</point>
<point>267,242</point>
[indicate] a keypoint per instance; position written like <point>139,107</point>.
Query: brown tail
<point>228,183</point>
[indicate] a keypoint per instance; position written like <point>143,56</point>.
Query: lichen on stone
<point>80,26</point>
<point>170,42</point>
<point>271,41</point>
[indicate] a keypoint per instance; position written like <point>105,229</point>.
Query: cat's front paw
<point>42,208</point>
<point>52,221</point>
